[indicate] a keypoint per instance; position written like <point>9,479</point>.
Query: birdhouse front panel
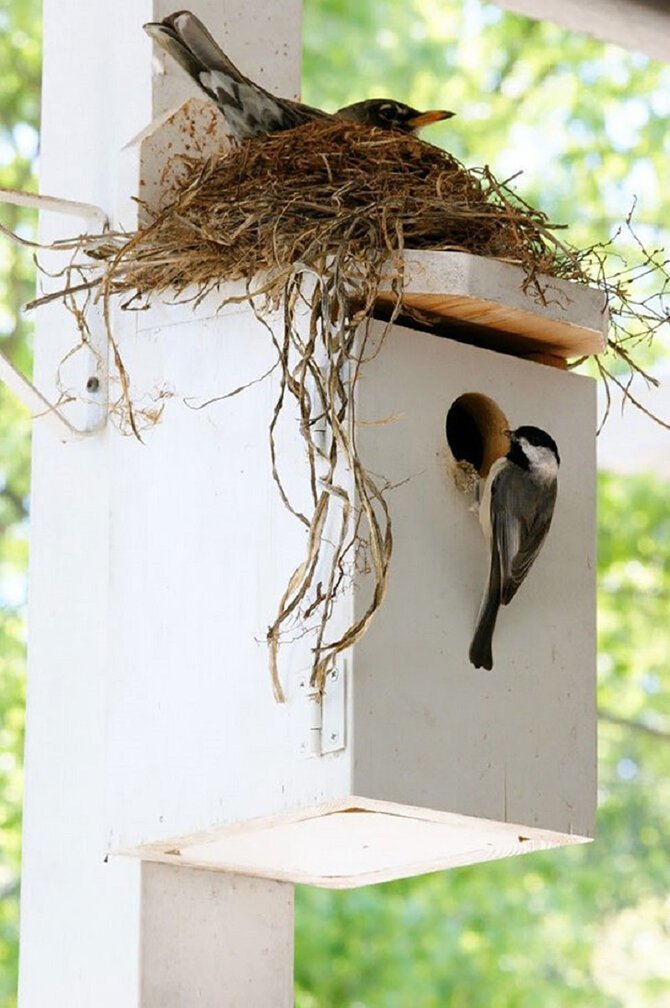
<point>201,548</point>
<point>516,743</point>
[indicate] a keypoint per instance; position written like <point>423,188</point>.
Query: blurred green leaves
<point>586,122</point>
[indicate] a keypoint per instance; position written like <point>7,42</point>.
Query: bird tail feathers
<point>186,39</point>
<point>481,649</point>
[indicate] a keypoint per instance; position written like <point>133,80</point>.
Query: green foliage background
<point>588,123</point>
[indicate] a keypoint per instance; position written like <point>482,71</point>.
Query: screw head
<point>93,384</point>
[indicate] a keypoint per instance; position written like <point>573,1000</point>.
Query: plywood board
<point>352,843</point>
<point>489,303</point>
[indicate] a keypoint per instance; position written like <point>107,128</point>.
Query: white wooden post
<point>80,916</point>
<point>212,939</point>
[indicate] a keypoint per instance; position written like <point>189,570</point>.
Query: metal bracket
<point>96,378</point>
<point>56,204</point>
<point>321,719</point>
<point>334,711</point>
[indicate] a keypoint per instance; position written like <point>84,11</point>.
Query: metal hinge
<point>320,719</point>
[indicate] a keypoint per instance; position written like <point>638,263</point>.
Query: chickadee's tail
<point>481,653</point>
<point>187,40</point>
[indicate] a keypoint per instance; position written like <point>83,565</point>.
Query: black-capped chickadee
<point>515,513</point>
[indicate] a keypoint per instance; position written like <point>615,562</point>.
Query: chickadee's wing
<point>519,526</point>
<point>532,540</point>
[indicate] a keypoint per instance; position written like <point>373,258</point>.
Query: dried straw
<point>292,196</point>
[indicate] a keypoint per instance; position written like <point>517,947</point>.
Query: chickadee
<point>515,513</point>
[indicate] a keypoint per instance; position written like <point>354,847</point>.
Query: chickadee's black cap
<point>536,436</point>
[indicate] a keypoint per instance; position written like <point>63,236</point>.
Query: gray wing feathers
<point>204,48</point>
<point>167,39</point>
<point>519,526</point>
<point>249,109</point>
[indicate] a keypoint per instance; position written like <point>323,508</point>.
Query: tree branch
<point>632,725</point>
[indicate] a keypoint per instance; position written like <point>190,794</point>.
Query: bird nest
<point>329,190</point>
<point>318,215</point>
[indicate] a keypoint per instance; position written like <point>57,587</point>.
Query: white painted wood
<point>217,546</point>
<point>639,25</point>
<point>184,631</point>
<point>194,129</point>
<point>98,93</point>
<point>516,744</point>
<point>215,941</point>
<point>185,627</point>
<point>432,736</point>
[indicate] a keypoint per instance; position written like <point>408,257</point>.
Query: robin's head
<point>385,113</point>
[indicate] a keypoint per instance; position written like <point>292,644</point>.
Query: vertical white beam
<point>215,941</point>
<point>80,934</point>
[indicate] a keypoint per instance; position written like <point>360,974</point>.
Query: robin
<point>384,113</point>
<point>249,109</point>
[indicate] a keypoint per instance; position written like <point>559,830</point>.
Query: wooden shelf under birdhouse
<point>490,304</point>
<point>343,845</point>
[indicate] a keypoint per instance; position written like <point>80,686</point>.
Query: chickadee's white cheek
<point>542,460</point>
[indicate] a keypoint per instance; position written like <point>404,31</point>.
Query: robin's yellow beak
<point>426,118</point>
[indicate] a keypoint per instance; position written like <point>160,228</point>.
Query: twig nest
<point>300,195</point>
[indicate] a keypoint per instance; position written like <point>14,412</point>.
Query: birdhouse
<point>157,567</point>
<point>442,764</point>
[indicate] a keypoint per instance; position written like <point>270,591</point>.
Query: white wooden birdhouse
<point>156,569</point>
<point>442,763</point>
